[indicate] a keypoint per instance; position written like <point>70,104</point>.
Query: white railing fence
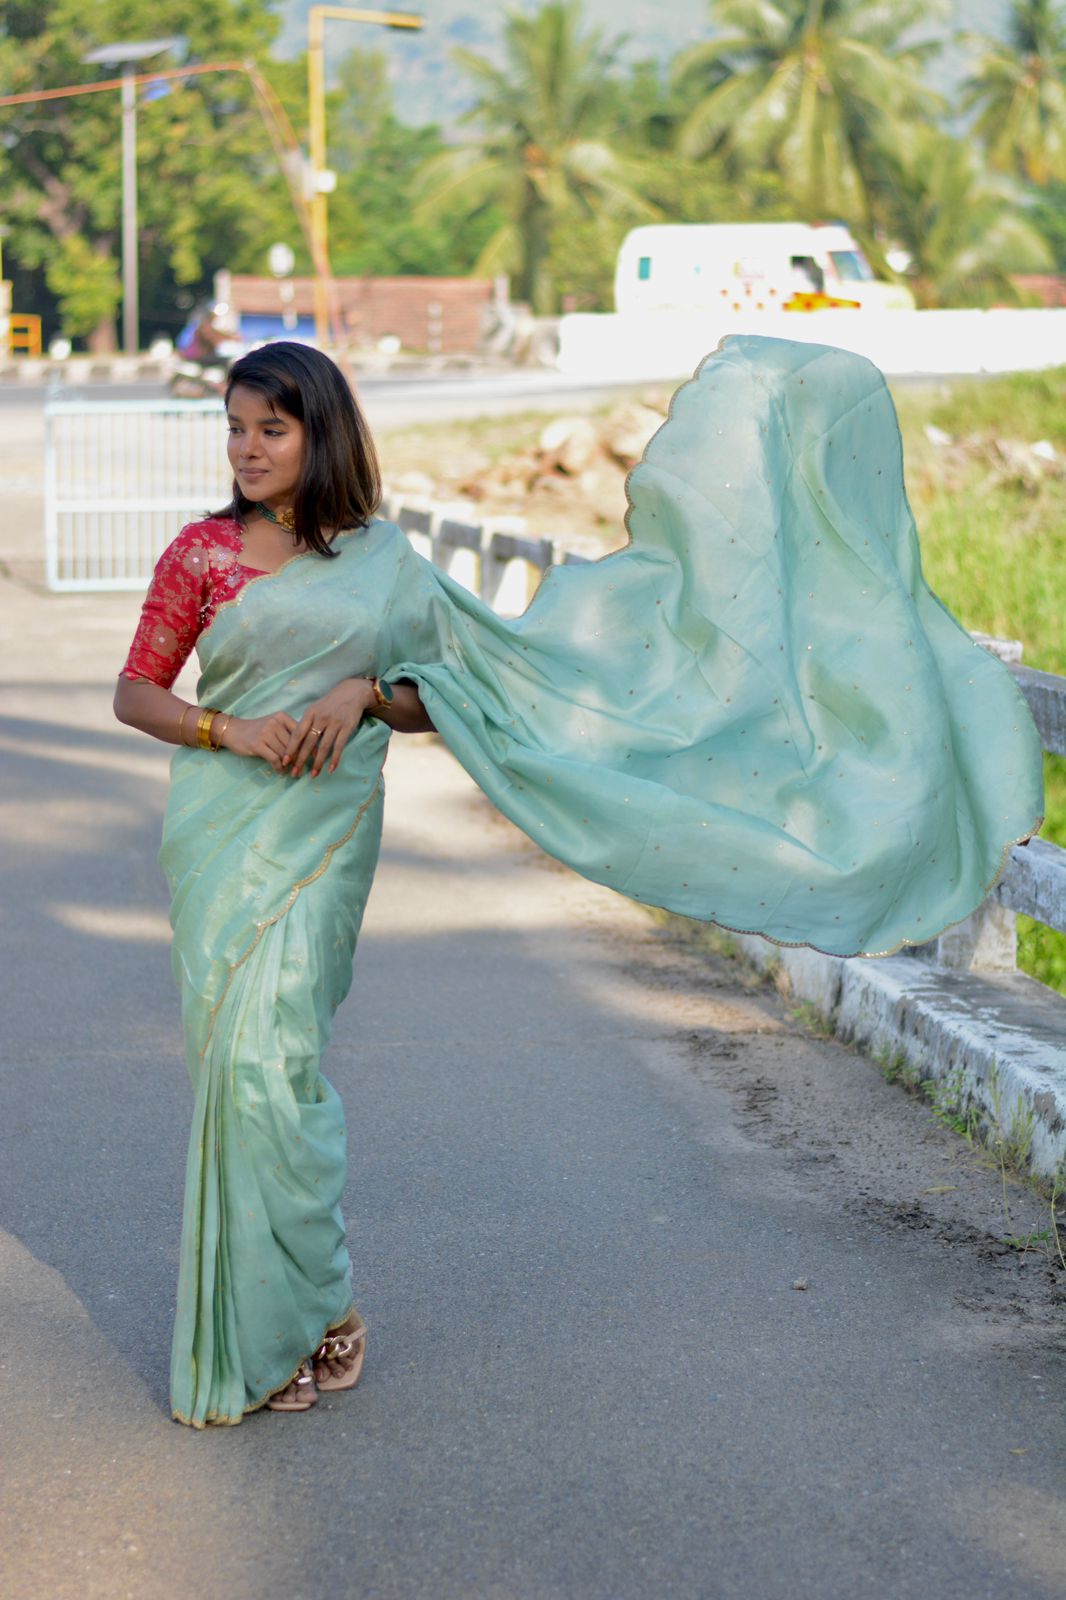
<point>120,477</point>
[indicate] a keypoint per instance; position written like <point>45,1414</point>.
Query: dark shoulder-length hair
<point>340,481</point>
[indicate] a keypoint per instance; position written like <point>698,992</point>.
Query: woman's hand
<point>265,737</point>
<point>326,726</point>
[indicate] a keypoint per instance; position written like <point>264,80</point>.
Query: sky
<point>431,89</point>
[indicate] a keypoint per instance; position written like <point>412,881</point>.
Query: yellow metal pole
<point>5,310</point>
<point>316,97</point>
<point>316,118</point>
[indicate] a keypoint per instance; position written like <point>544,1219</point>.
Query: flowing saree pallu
<point>756,714</point>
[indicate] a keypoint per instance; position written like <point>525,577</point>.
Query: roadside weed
<point>950,1104</point>
<point>811,1020</point>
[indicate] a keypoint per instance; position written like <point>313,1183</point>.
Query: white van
<point>748,266</point>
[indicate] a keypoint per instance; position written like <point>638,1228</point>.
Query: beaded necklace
<point>285,518</point>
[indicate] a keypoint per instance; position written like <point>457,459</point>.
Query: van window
<point>749,267</point>
<point>851,266</point>
<point>807,274</point>
<point>644,268</point>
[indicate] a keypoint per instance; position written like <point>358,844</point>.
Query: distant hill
<point>429,88</point>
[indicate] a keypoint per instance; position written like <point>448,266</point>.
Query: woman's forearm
<point>154,710</point>
<point>161,714</point>
<point>406,714</point>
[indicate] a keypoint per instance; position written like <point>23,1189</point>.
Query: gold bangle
<point>203,726</point>
<point>225,724</point>
<point>181,724</point>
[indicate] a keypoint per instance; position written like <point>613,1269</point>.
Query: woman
<point>756,714</point>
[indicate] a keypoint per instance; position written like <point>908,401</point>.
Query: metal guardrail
<point>497,561</point>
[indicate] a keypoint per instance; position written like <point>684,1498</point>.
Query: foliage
<point>84,281</point>
<point>377,159</point>
<point>1047,213</point>
<point>788,108</point>
<point>543,154</point>
<point>960,224</point>
<point>1019,91</point>
<point>209,192</point>
<point>993,552</point>
<point>813,87</point>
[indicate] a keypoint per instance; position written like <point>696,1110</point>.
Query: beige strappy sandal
<point>346,1346</point>
<point>305,1396</point>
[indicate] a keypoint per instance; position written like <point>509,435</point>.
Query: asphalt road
<point>589,1164</point>
<point>391,401</point>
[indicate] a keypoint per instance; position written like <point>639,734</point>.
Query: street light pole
<point>316,116</point>
<point>125,55</point>
<point>131,315</point>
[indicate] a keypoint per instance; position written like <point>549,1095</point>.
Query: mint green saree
<point>756,714</point>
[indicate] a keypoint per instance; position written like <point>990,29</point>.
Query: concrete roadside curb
<point>993,1043</point>
<point>85,369</point>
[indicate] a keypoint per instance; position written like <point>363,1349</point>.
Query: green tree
<point>813,88</point>
<point>209,190</point>
<point>1019,91</point>
<point>543,156</point>
<point>84,279</point>
<point>1047,212</point>
<point>962,226</point>
<point>378,159</point>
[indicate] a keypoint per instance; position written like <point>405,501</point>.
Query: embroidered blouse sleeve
<point>171,617</point>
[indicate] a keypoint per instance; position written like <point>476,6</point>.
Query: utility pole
<point>131,288</point>
<point>125,56</point>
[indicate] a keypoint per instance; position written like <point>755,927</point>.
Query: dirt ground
<point>491,465</point>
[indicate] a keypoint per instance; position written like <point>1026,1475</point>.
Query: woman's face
<point>265,448</point>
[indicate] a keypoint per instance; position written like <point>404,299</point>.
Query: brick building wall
<point>1048,287</point>
<point>446,315</point>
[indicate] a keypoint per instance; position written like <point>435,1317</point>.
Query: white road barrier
<point>669,344</point>
<point>121,476</point>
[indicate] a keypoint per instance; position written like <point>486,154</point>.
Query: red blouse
<point>196,574</point>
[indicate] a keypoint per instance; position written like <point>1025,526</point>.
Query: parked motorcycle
<point>206,348</point>
<point>197,380</point>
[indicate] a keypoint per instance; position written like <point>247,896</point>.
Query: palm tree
<point>542,155</point>
<point>961,225</point>
<point>1020,90</point>
<point>814,88</point>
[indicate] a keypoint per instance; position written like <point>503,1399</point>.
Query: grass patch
<point>1032,403</point>
<point>992,551</point>
<point>949,1105</point>
<point>895,1068</point>
<point>812,1021</point>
